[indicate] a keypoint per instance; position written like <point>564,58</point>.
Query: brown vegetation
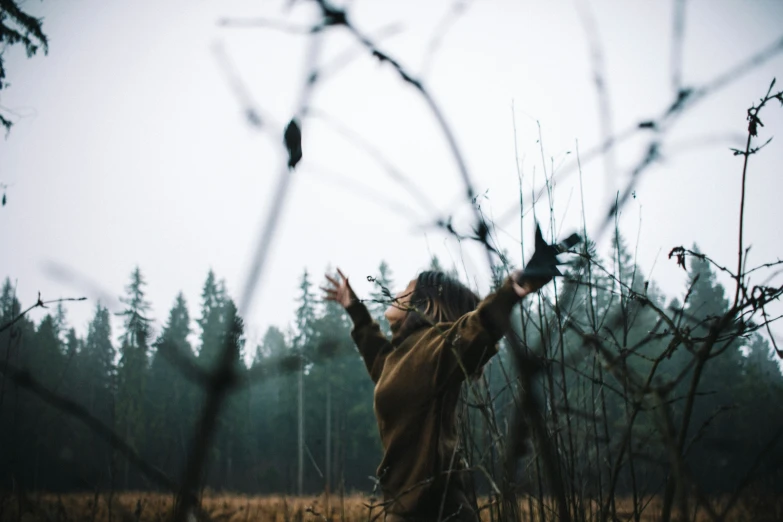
<point>229,507</point>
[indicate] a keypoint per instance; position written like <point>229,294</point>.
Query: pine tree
<point>218,314</point>
<point>272,345</point>
<point>47,351</point>
<point>333,349</point>
<point>132,368</point>
<point>305,335</point>
<point>10,339</point>
<point>233,441</point>
<point>9,304</point>
<point>212,321</point>
<point>276,399</point>
<point>305,314</point>
<point>759,411</point>
<point>61,321</point>
<point>761,362</point>
<point>37,424</point>
<point>97,360</point>
<point>18,27</point>
<point>235,326</point>
<point>136,308</point>
<point>717,380</point>
<point>272,426</point>
<point>72,378</point>
<point>94,386</point>
<point>17,408</point>
<point>170,395</point>
<point>706,304</point>
<point>226,330</point>
<point>72,343</point>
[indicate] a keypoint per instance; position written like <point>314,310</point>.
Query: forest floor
<point>229,507</point>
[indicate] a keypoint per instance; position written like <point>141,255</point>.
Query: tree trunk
<point>328,452</point>
<point>300,462</point>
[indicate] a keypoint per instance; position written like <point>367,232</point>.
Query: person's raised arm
<point>468,343</point>
<point>464,346</point>
<point>366,333</point>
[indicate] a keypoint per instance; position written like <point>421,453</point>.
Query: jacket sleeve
<point>464,346</point>
<point>372,344</point>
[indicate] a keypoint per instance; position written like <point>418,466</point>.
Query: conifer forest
<point>616,395</point>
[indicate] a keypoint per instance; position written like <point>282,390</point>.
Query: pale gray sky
<point>133,148</point>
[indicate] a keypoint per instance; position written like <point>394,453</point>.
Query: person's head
<point>433,297</point>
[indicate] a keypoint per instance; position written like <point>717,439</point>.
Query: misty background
<point>142,163</point>
<point>132,148</point>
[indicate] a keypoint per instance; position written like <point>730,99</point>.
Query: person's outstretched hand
<point>524,285</point>
<point>542,267</point>
<point>339,291</point>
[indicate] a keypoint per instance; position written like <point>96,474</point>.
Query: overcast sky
<point>133,149</point>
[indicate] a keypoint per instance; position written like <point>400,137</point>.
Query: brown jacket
<point>417,386</point>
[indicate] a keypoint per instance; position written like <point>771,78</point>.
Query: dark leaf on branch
<point>5,122</point>
<point>333,15</point>
<point>679,253</point>
<point>482,232</point>
<point>293,142</point>
<point>753,124</point>
<point>544,262</point>
<point>682,97</point>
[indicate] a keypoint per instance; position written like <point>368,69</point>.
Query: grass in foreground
<point>227,507</point>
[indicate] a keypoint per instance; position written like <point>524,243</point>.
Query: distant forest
<point>131,382</point>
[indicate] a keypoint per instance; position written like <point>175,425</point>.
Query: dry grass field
<point>145,506</point>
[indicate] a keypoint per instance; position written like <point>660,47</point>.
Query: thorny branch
<point>529,420</point>
<point>40,303</point>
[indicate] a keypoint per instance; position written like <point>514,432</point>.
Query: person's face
<point>397,310</point>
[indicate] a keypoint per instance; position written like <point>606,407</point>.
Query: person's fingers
<point>332,280</point>
<point>341,274</point>
<point>329,290</point>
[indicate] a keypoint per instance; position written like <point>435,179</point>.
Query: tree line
<point>308,423</point>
